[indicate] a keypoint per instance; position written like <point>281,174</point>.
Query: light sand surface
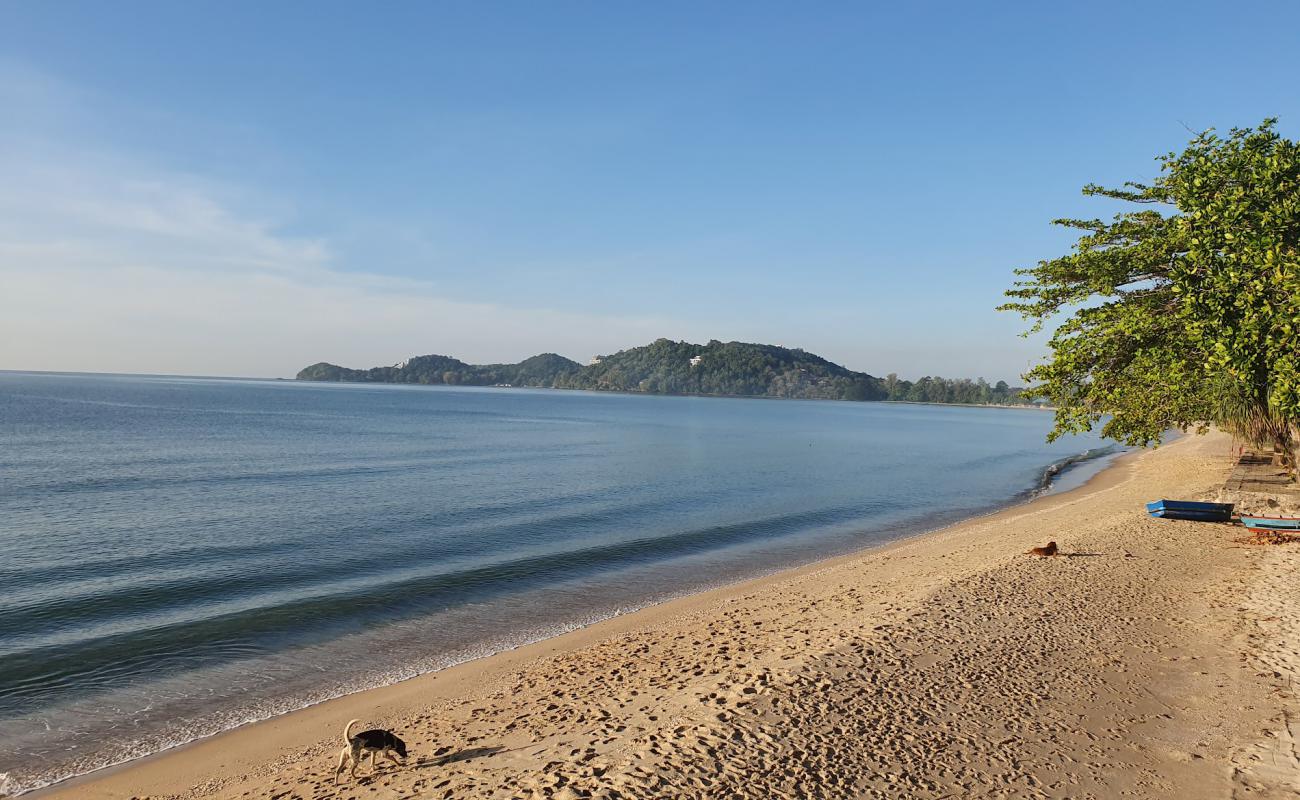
<point>1154,660</point>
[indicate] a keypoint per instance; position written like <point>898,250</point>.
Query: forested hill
<point>541,370</point>
<point>737,369</point>
<point>725,368</point>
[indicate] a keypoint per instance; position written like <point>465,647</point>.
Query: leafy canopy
<point>1194,295</point>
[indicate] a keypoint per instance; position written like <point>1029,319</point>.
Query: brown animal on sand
<point>1049,550</point>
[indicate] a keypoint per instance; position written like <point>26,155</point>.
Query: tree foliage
<point>1185,311</point>
<point>951,390</point>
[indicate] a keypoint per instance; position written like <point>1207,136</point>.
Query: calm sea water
<point>185,555</point>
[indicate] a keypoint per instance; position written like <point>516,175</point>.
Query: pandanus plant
<point>1242,408</point>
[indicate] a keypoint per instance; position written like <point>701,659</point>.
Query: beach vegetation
<point>1184,311</point>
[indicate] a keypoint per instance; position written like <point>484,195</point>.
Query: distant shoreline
<point>634,393</point>
<point>1031,406</point>
<point>71,373</point>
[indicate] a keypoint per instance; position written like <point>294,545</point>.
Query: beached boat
<point>1187,509</point>
<point>1271,524</point>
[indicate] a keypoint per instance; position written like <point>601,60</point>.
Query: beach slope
<point>1151,659</point>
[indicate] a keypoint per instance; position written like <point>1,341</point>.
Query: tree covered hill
<point>725,368</point>
<point>738,369</point>
<point>540,370</point>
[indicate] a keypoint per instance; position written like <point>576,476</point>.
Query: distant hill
<point>540,370</point>
<point>725,368</point>
<point>737,369</point>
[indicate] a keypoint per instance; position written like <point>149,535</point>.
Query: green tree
<point>1171,308</point>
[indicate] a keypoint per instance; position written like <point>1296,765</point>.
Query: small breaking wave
<point>1054,471</point>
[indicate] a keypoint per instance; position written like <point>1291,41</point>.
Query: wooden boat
<point>1188,509</point>
<point>1271,524</point>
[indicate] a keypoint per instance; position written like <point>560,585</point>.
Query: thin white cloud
<point>110,264</point>
<point>71,200</point>
<point>151,319</point>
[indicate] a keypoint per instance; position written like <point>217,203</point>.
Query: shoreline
<point>634,393</point>
<point>1069,471</point>
<point>446,682</point>
<point>625,392</point>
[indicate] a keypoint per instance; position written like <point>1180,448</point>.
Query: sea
<point>181,556</point>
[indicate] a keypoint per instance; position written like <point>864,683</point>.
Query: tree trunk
<point>1294,447</point>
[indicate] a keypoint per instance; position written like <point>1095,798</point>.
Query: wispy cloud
<point>109,262</point>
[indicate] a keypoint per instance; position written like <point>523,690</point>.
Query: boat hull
<point>1271,524</point>
<point>1190,510</point>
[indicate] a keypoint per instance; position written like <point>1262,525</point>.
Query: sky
<point>245,188</point>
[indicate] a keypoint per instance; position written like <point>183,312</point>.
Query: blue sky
<point>245,188</point>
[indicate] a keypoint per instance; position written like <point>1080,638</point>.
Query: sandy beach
<point>1155,659</point>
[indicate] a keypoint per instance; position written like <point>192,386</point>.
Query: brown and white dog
<point>373,742</point>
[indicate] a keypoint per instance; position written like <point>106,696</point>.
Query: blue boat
<point>1270,524</point>
<point>1187,509</point>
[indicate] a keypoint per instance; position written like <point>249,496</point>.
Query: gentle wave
<point>1054,471</point>
<point>33,669</point>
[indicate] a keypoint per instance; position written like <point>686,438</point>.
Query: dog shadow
<point>1081,555</point>
<point>458,756</point>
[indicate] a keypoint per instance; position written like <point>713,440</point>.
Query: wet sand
<point>1153,659</point>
